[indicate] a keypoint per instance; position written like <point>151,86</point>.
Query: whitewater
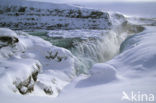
<point>78,65</point>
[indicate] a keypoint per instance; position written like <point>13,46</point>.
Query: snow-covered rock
<point>22,62</point>
<point>19,75</point>
<point>6,39</point>
<point>9,43</point>
<point>18,14</point>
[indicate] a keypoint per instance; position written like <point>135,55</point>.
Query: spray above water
<point>92,46</point>
<point>95,50</point>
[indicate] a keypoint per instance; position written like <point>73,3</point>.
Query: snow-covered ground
<point>133,70</point>
<point>115,65</point>
<point>20,64</point>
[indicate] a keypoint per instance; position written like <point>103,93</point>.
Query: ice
<point>97,68</point>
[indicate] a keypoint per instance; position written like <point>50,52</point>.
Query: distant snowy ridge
<point>17,14</point>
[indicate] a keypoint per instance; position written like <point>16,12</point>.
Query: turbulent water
<point>90,46</point>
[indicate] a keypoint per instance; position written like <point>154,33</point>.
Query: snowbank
<point>137,59</point>
<point>99,74</point>
<point>21,64</point>
<point>137,53</point>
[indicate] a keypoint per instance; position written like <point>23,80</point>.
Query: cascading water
<point>91,46</point>
<point>96,49</point>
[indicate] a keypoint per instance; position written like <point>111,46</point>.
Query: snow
<point>21,61</point>
<point>135,9</point>
<point>8,33</point>
<point>49,16</point>
<point>75,33</point>
<point>123,73</point>
<point>100,67</point>
<point>132,70</point>
<point>100,74</point>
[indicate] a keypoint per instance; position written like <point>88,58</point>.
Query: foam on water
<point>92,46</point>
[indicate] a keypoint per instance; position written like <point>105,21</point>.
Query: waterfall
<point>97,49</point>
<point>91,46</point>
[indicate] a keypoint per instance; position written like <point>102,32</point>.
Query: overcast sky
<point>65,1</point>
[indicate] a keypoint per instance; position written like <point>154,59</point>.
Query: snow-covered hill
<point>18,14</point>
<point>22,58</point>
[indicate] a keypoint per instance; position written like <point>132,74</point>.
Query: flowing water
<point>88,46</point>
<point>92,46</point>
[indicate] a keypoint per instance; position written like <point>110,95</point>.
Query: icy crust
<point>21,64</point>
<point>28,15</point>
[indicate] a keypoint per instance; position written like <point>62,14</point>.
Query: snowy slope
<point>18,14</point>
<point>22,59</point>
<point>132,70</point>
